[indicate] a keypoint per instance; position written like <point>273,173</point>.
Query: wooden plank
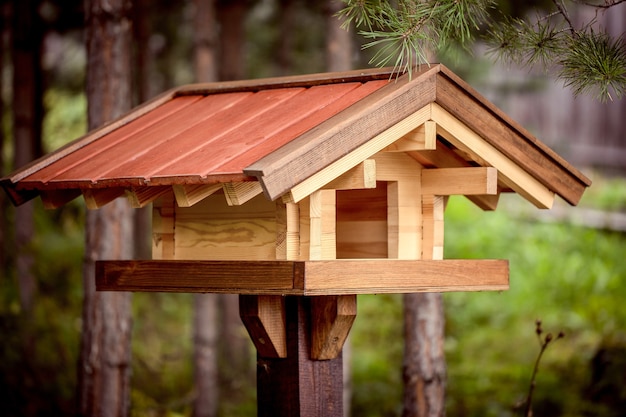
<point>344,133</point>
<point>163,221</point>
<point>228,277</point>
<point>188,195</point>
<point>323,277</point>
<point>142,196</point>
<point>98,197</point>
<point>265,321</point>
<point>460,181</point>
<point>433,207</point>
<point>287,231</point>
<point>405,276</point>
<point>238,193</point>
<point>53,199</point>
<point>322,232</point>
<point>511,174</point>
<point>363,152</point>
<point>211,229</point>
<point>422,138</point>
<point>509,138</point>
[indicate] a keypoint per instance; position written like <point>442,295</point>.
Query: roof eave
<point>510,138</point>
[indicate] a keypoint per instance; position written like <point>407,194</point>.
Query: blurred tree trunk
<point>205,318</point>
<point>339,49</point>
<point>27,122</point>
<point>231,16</point>
<point>4,202</point>
<point>424,368</point>
<point>104,368</point>
<point>284,51</point>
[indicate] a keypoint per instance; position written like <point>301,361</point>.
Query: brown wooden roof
<point>278,131</point>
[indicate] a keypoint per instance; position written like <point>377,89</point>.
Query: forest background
<point>567,268</point>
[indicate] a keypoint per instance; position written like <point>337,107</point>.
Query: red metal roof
<point>198,138</point>
<point>277,131</point>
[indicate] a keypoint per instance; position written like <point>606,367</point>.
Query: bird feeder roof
<point>277,133</point>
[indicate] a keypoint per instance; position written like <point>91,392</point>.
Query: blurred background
<point>568,266</point>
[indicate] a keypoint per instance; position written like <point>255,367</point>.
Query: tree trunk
<point>424,369</point>
<point>205,318</point>
<point>339,49</point>
<point>4,202</point>
<point>104,368</point>
<point>27,121</point>
<point>284,49</point>
<point>231,16</point>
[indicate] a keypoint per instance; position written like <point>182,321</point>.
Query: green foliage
<point>568,276</point>
<point>65,118</point>
<point>406,33</point>
<point>377,347</point>
<point>39,351</point>
<point>595,62</point>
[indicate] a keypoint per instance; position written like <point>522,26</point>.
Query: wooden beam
<point>227,277</point>
<point>332,317</point>
<point>324,277</point>
<point>404,276</point>
<point>360,177</point>
<point>420,139</point>
<point>264,318</point>
<point>53,199</point>
<point>98,197</point>
<point>188,195</point>
<point>512,174</point>
<point>322,227</point>
<point>433,207</point>
<point>142,196</point>
<point>363,152</point>
<point>460,181</point>
<point>444,157</point>
<point>238,193</point>
<point>508,137</point>
<point>163,226</point>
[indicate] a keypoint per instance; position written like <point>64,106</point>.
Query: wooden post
<point>306,380</point>
<point>298,385</point>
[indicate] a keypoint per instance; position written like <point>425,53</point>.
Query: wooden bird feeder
<point>299,193</point>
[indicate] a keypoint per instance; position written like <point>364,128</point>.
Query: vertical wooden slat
<point>163,219</point>
<point>323,225</point>
<point>433,226</point>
